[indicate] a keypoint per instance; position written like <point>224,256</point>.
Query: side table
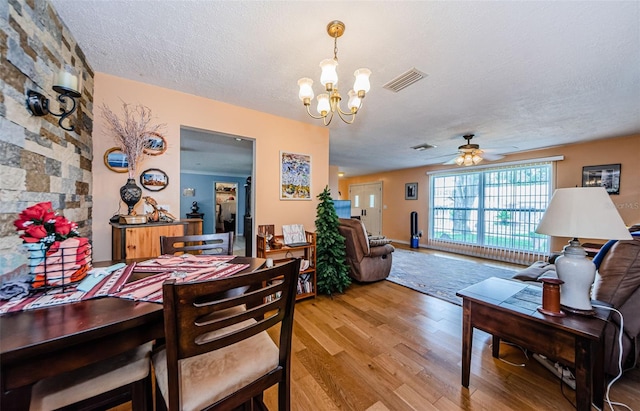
<point>507,310</point>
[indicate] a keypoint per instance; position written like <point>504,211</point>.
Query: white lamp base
<point>578,273</point>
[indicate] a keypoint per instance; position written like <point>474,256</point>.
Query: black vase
<point>130,194</point>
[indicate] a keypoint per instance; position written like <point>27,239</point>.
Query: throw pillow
<point>376,241</point>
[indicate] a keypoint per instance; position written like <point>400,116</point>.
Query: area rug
<point>440,277</point>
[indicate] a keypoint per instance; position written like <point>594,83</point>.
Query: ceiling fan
<point>470,154</point>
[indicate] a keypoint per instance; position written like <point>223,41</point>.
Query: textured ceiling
<point>519,75</point>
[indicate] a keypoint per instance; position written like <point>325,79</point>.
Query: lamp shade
<point>329,73</point>
<point>323,104</point>
<point>362,80</point>
<point>585,212</point>
<point>306,88</point>
<point>354,101</point>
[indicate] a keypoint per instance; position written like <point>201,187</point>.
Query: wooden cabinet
<point>194,226</point>
<point>307,277</point>
<point>142,240</point>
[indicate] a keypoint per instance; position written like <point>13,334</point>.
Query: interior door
<point>366,202</point>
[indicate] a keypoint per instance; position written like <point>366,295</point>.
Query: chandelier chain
<point>335,48</point>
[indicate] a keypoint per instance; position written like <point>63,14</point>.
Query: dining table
<point>45,342</point>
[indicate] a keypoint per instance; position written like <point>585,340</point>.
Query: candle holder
<point>67,84</point>
<point>551,297</point>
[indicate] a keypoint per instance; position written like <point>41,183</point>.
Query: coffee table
<point>507,309</point>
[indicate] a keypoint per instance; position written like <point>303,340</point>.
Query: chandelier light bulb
<point>323,104</point>
<point>329,74</point>
<point>354,101</point>
<point>306,89</point>
<point>362,80</point>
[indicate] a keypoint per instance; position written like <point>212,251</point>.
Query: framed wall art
<point>295,176</point>
<point>154,179</point>
<point>607,176</point>
<point>155,144</point>
<point>411,191</point>
<point>116,160</point>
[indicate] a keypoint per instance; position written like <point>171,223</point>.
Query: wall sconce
<point>68,85</point>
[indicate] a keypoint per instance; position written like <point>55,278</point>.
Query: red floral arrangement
<point>41,224</point>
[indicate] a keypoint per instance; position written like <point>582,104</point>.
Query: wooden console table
<point>129,241</point>
<point>507,310</point>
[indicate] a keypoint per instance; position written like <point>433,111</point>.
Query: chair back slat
<point>220,243</point>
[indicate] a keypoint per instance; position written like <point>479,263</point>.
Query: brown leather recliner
<point>366,263</point>
<point>618,283</point>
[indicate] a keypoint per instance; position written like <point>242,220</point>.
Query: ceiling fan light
<point>329,74</point>
<point>323,104</point>
<point>459,160</point>
<point>476,159</point>
<point>306,88</point>
<point>468,160</point>
<point>362,80</point>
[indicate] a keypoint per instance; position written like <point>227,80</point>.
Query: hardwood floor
<point>382,346</point>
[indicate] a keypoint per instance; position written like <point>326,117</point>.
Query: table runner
<point>184,268</point>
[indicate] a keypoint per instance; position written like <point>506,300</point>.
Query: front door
<point>366,202</point>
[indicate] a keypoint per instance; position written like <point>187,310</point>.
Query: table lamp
<point>585,212</point>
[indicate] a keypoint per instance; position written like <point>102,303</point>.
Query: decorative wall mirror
<point>116,160</point>
<point>155,145</point>
<point>154,179</point>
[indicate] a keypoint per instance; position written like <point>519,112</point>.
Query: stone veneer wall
<point>39,161</point>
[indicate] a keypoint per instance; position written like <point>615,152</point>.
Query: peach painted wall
<point>624,150</point>
<point>176,109</point>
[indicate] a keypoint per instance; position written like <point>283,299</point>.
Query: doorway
<point>226,207</point>
<point>366,202</point>
<point>209,157</point>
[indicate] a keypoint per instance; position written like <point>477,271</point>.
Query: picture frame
<point>411,191</point>
<point>154,179</point>
<point>607,176</point>
<point>116,160</point>
<point>155,144</point>
<point>295,176</point>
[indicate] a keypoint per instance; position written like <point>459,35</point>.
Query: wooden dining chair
<point>218,354</point>
<point>221,243</point>
<point>99,386</point>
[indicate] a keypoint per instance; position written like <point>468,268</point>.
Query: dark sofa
<point>617,283</point>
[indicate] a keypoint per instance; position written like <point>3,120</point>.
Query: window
<point>497,208</point>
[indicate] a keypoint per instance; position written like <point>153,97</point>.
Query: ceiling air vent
<point>404,80</point>
<point>423,147</point>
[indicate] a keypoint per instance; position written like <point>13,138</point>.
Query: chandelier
<point>329,102</point>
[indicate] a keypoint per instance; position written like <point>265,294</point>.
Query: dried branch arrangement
<point>132,132</point>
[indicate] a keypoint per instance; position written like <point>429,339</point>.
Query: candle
<point>67,80</point>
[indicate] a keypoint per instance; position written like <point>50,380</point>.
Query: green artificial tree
<point>332,268</point>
